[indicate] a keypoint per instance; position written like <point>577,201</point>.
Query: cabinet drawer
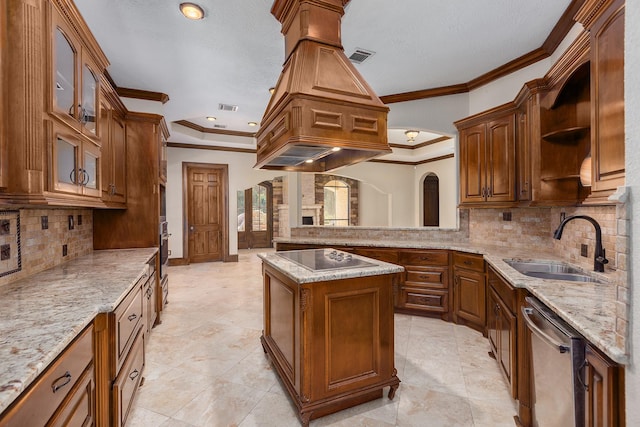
<point>386,255</point>
<point>468,261</point>
<point>42,399</point>
<point>128,381</point>
<point>128,318</point>
<point>79,409</point>
<point>432,301</point>
<point>503,289</point>
<point>424,258</point>
<point>434,277</point>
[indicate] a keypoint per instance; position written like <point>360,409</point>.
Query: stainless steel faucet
<point>599,259</point>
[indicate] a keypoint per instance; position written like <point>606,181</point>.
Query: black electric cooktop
<point>324,259</point>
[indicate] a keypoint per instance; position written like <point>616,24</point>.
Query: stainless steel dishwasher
<point>557,368</point>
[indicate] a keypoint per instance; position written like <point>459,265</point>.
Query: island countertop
<point>589,307</point>
<point>300,274</point>
<point>41,314</point>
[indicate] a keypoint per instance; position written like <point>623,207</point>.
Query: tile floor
<point>205,365</point>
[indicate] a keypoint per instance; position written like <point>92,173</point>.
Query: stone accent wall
<point>42,249</point>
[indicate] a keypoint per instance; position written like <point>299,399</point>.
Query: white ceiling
<point>236,53</point>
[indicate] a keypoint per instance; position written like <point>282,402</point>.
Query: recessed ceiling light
<point>252,124</point>
<point>309,161</point>
<point>211,118</point>
<point>336,149</point>
<point>192,11</point>
<point>271,90</point>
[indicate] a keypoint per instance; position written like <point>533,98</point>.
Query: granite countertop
<point>41,314</point>
<point>302,275</point>
<point>589,307</point>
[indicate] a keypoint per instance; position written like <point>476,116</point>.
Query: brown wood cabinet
<point>502,327</point>
<point>55,67</point>
<point>425,288</point>
<point>150,298</point>
<point>469,292</point>
<point>488,157</point>
<point>605,22</point>
<point>114,149</point>
<point>332,342</point>
<point>64,394</point>
<point>3,98</point>
<point>605,384</point>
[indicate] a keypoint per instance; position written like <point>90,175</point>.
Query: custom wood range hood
<point>322,114</point>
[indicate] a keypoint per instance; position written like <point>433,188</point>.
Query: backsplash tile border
<point>16,241</point>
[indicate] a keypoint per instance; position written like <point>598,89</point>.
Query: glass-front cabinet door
<point>90,171</point>
<point>89,101</point>
<point>66,171</point>
<point>65,54</point>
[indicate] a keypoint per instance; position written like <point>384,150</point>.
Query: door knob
<point>191,228</point>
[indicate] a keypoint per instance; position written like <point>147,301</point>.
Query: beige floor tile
<point>205,365</point>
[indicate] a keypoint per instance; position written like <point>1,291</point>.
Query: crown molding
<point>142,94</point>
<point>211,147</point>
<point>196,127</point>
<point>422,144</point>
<point>420,162</point>
<point>553,40</point>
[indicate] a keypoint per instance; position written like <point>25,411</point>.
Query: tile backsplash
<point>42,235</point>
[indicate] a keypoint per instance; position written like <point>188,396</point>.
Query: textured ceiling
<point>236,53</point>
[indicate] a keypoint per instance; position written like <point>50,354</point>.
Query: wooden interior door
<point>206,205</point>
<point>431,201</point>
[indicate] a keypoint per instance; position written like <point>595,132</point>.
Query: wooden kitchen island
<point>329,328</point>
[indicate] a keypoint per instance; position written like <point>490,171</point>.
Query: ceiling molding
<point>211,148</point>
<point>142,94</point>
<point>196,127</point>
<point>553,40</point>
<point>420,162</point>
<point>422,144</point>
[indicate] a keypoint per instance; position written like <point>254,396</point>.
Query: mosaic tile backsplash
<point>44,234</point>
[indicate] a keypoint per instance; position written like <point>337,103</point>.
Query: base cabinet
<point>332,342</point>
<point>425,288</point>
<point>605,384</point>
<point>65,393</point>
<point>502,327</point>
<point>469,292</point>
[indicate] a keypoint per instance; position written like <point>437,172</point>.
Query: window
<point>336,203</point>
<point>259,208</point>
<point>241,221</point>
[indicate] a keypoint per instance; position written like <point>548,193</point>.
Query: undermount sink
<point>554,270</point>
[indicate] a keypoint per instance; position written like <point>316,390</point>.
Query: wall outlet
<point>44,222</point>
<point>64,250</point>
<point>584,249</point>
<point>71,222</point>
<point>506,216</point>
<point>5,252</point>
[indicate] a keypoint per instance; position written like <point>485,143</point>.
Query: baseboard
<point>231,258</point>
<point>177,261</point>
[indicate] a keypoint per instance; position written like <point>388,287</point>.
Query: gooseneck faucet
<point>599,259</point>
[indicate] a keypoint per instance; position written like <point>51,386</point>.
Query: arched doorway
<point>431,201</point>
<point>255,216</point>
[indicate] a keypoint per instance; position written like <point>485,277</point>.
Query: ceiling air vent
<point>220,126</point>
<point>360,55</point>
<point>227,107</point>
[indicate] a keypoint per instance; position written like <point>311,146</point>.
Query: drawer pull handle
<point>467,262</point>
<point>133,375</point>
<point>66,379</point>
<point>132,317</point>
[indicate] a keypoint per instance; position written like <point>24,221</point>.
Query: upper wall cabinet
<point>3,97</point>
<point>488,157</point>
<point>52,70</point>
<point>605,22</point>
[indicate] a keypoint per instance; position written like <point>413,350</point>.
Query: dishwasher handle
<point>527,312</point>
